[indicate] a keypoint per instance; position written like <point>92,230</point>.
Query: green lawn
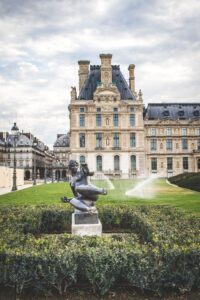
<point>157,192</point>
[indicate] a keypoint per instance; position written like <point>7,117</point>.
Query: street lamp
<point>52,178</point>
<point>58,170</point>
<point>35,143</point>
<point>45,169</point>
<point>15,132</point>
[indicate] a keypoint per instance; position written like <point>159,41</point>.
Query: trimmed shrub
<point>153,248</point>
<point>187,180</point>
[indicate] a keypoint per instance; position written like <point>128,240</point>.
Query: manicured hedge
<point>187,180</point>
<point>152,248</point>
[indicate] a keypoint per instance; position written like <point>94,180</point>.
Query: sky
<point>41,42</point>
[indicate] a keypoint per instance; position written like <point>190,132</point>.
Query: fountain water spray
<point>139,191</point>
<point>102,176</point>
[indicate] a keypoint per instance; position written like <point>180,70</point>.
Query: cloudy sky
<point>42,40</point>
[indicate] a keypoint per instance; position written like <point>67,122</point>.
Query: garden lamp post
<point>58,169</point>
<point>15,132</point>
<point>52,175</point>
<point>35,143</point>
<point>45,167</point>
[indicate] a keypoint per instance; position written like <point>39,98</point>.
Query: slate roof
<point>172,111</point>
<point>2,143</point>
<point>22,141</point>
<point>62,141</point>
<point>94,78</point>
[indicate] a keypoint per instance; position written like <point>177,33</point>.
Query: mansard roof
<point>22,141</point>
<point>2,142</point>
<point>62,140</point>
<point>173,111</point>
<point>94,78</point>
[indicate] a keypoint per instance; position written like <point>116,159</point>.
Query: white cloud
<point>41,41</point>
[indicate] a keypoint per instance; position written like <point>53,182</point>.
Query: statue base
<point>86,224</point>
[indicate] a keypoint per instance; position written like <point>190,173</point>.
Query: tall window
<point>99,163</point>
<point>198,144</point>
<point>116,163</point>
<point>132,120</point>
<point>153,131</point>
<point>169,163</point>
<point>168,131</point>
<point>154,164</point>
<point>116,139</point>
<point>198,131</point>
<point>82,140</point>
<point>98,140</point>
<point>132,139</point>
<point>82,159</point>
<point>82,120</point>
<point>153,144</point>
<point>184,143</point>
<point>168,144</point>
<point>115,120</point>
<point>133,163</point>
<point>98,109</point>
<point>185,163</point>
<point>184,131</point>
<point>198,163</point>
<point>98,120</point>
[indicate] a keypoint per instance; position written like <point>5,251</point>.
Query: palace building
<point>116,135</point>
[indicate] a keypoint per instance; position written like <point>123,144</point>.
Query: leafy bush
<point>153,248</point>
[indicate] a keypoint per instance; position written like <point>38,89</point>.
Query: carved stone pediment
<point>106,92</point>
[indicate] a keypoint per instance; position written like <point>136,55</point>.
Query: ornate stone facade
<point>61,152</point>
<point>106,123</point>
<point>112,131</point>
<point>28,156</point>
<point>172,138</point>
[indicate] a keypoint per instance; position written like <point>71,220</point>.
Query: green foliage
<point>187,180</point>
<point>149,247</point>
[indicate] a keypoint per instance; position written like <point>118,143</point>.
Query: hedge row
<point>160,249</point>
<point>187,180</point>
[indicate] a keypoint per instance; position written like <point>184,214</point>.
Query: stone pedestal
<point>86,224</point>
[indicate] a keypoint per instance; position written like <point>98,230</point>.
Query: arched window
<point>198,163</point>
<point>99,163</point>
<point>116,163</point>
<point>82,159</point>
<point>133,163</point>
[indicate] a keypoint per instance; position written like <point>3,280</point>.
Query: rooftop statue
<point>85,194</point>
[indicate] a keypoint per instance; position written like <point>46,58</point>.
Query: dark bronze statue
<point>85,194</point>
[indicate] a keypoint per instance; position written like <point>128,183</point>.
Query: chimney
<point>131,69</point>
<point>106,69</point>
<point>83,72</point>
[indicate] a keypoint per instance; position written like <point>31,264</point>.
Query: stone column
<point>106,69</point>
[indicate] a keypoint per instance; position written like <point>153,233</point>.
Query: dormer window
<point>181,113</point>
<point>196,113</point>
<point>166,113</point>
